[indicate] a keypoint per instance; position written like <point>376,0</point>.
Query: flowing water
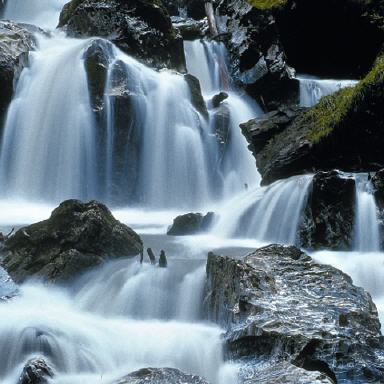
<point>312,89</point>
<point>126,315</point>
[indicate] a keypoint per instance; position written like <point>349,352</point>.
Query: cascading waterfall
<point>312,89</point>
<point>270,214</point>
<point>44,13</point>
<point>367,234</point>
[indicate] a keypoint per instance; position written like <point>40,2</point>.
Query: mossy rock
<point>267,4</point>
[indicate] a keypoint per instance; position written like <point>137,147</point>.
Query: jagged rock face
<point>76,237</point>
<point>258,58</point>
<point>36,371</point>
<point>329,215</point>
<point>344,131</point>
<point>190,224</point>
<point>141,28</point>
<point>190,29</point>
<point>331,38</point>
<point>378,188</point>
<point>278,304</point>
<point>160,376</point>
<point>197,99</point>
<point>16,40</point>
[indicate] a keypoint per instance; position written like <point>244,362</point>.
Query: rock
<point>278,305</point>
<point>344,131</point>
<point>221,120</point>
<point>151,255</point>
<point>160,376</point>
<point>76,237</point>
<point>378,188</point>
<point>258,58</point>
<point>217,99</point>
<point>190,223</point>
<point>36,371</point>
<point>163,260</point>
<point>196,95</point>
<point>141,28</point>
<point>16,40</point>
<point>329,215</point>
<point>190,29</point>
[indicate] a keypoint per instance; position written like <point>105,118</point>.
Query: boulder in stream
<point>160,376</point>
<point>36,371</point>
<point>190,224</point>
<point>280,306</point>
<point>76,237</point>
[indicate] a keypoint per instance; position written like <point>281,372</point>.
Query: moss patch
<point>267,4</point>
<point>332,110</point>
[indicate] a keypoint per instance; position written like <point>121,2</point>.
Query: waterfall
<point>313,89</point>
<point>44,13</point>
<point>367,234</point>
<point>270,215</point>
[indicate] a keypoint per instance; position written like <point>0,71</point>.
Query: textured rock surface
<point>76,237</point>
<point>190,223</point>
<point>329,215</point>
<point>36,371</point>
<point>160,376</point>
<point>278,304</point>
<point>258,58</point>
<point>141,28</point>
<point>16,40</point>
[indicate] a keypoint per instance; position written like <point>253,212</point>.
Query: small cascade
<point>269,215</point>
<point>312,89</point>
<point>44,13</point>
<point>367,234</point>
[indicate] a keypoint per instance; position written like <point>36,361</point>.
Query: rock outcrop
<point>328,218</point>
<point>76,237</point>
<point>344,131</point>
<point>36,371</point>
<point>280,306</point>
<point>141,28</point>
<point>160,376</point>
<point>16,40</point>
<point>190,224</point>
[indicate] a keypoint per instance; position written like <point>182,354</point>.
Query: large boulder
<point>257,56</point>
<point>190,223</point>
<point>36,371</point>
<point>278,305</point>
<point>141,28</point>
<point>344,131</point>
<point>329,215</point>
<point>16,40</point>
<point>76,237</point>
<point>160,376</point>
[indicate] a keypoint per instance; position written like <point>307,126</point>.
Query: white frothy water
<point>44,13</point>
<point>367,233</point>
<point>270,214</point>
<point>312,89</point>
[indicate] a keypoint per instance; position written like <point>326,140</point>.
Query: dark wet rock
<point>218,99</point>
<point>261,130</point>
<point>190,29</point>
<point>345,46</point>
<point>258,58</point>
<point>141,28</point>
<point>163,260</point>
<point>36,371</point>
<point>196,95</point>
<point>151,255</point>
<point>16,40</point>
<point>378,188</point>
<point>277,304</point>
<point>343,131</point>
<point>329,215</point>
<point>221,119</point>
<point>190,223</point>
<point>160,376</point>
<point>76,237</point>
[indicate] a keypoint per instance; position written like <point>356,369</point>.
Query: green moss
<point>332,110</point>
<point>267,4</point>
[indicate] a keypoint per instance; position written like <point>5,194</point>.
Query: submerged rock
<point>190,224</point>
<point>76,237</point>
<point>329,215</point>
<point>141,28</point>
<point>36,371</point>
<point>160,376</point>
<point>16,40</point>
<point>278,305</point>
<point>344,131</point>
